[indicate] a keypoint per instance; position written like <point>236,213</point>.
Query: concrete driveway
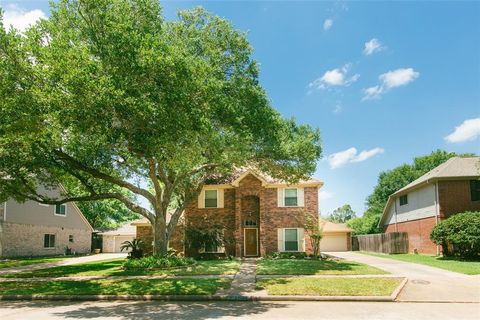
<point>66,262</point>
<point>424,283</point>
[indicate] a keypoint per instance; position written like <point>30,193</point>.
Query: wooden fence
<point>392,242</point>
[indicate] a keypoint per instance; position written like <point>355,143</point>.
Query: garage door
<point>334,242</point>
<point>119,240</point>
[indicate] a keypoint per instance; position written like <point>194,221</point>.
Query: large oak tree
<point>109,94</point>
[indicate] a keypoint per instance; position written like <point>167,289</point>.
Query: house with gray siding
<point>34,229</point>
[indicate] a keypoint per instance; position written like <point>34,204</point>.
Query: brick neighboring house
<point>452,187</point>
<point>34,229</point>
<point>259,214</point>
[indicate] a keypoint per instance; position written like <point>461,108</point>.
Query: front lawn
<point>337,286</point>
<point>114,268</point>
<point>117,287</point>
<point>455,265</point>
<point>18,262</point>
<point>311,267</point>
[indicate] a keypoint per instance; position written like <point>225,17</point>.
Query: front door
<point>251,241</point>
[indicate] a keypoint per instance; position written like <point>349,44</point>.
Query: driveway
<point>66,262</point>
<point>425,283</point>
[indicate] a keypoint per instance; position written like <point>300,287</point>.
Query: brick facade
<point>454,197</point>
<point>24,240</point>
<point>418,234</point>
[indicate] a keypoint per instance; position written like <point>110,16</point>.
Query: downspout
<point>395,210</point>
<point>437,212</point>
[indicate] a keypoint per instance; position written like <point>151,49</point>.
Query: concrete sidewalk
<point>425,283</point>
<point>66,262</point>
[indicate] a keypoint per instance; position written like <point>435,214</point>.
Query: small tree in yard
<point>313,229</point>
<point>459,235</point>
<point>110,95</point>
<point>205,236</point>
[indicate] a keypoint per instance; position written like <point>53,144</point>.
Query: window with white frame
<point>290,239</point>
<point>49,241</point>
<point>291,197</point>
<point>61,209</point>
<point>211,199</point>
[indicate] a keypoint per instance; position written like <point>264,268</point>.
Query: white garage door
<point>334,242</point>
<point>119,240</point>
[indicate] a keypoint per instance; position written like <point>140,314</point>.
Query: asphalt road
<point>236,310</point>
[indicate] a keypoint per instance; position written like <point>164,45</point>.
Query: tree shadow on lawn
<point>147,310</point>
<point>311,267</point>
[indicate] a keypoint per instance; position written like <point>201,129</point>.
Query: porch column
<point>238,224</point>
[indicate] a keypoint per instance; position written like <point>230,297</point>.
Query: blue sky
<point>384,81</point>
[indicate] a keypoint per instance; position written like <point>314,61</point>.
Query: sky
<point>384,81</point>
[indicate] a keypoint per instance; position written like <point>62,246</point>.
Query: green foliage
<point>391,181</point>
<point>157,262</point>
<point>203,236</point>
<point>311,226</point>
<point>459,235</point>
<point>286,255</point>
<point>135,247</point>
<point>109,94</point>
<point>342,214</point>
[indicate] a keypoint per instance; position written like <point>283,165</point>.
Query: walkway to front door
<point>251,242</point>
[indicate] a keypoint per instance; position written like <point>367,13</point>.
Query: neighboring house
<point>34,229</point>
<point>259,215</point>
<point>335,237</point>
<point>112,239</point>
<point>452,187</point>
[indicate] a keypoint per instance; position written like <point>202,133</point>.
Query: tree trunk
<point>160,238</point>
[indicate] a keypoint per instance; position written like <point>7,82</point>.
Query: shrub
<point>135,246</point>
<point>459,235</point>
<point>286,255</point>
<point>157,262</point>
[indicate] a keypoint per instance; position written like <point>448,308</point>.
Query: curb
<point>399,289</point>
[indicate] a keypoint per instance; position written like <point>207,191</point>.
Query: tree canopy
<point>110,94</point>
<point>391,181</point>
<point>342,214</point>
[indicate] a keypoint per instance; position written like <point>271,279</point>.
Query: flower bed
<point>156,262</point>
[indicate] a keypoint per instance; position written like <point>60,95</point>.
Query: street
<point>236,310</point>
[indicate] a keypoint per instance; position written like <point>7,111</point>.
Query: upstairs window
<point>403,200</point>
<point>49,241</point>
<point>291,198</point>
<point>475,190</point>
<point>61,209</point>
<point>211,199</point>
<point>70,238</point>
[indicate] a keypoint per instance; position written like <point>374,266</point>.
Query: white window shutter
<point>301,197</point>
<point>201,199</point>
<point>301,239</point>
<point>220,202</point>
<point>280,197</point>
<point>281,244</point>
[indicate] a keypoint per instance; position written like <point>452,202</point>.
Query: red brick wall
<point>145,233</point>
<point>418,234</point>
<point>454,197</point>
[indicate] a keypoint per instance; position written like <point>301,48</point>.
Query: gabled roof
<point>453,168</point>
<point>329,227</point>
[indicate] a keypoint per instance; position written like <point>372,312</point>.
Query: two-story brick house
<point>452,187</point>
<point>259,214</point>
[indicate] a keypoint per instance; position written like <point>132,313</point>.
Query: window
<point>291,240</point>
<point>70,238</point>
<point>211,198</point>
<point>250,223</point>
<point>403,200</point>
<point>49,241</point>
<point>61,209</point>
<point>291,199</point>
<point>211,248</point>
<point>475,190</point>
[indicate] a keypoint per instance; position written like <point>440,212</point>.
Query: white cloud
<point>338,108</point>
<point>467,131</point>
<point>327,24</point>
<point>325,195</point>
<point>339,159</point>
<point>21,19</point>
<point>334,77</point>
<point>390,80</point>
<point>372,46</point>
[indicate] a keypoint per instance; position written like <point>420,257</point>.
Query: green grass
<point>337,286</point>
<point>114,268</point>
<point>311,267</point>
<point>18,262</point>
<point>455,265</point>
<point>116,287</point>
